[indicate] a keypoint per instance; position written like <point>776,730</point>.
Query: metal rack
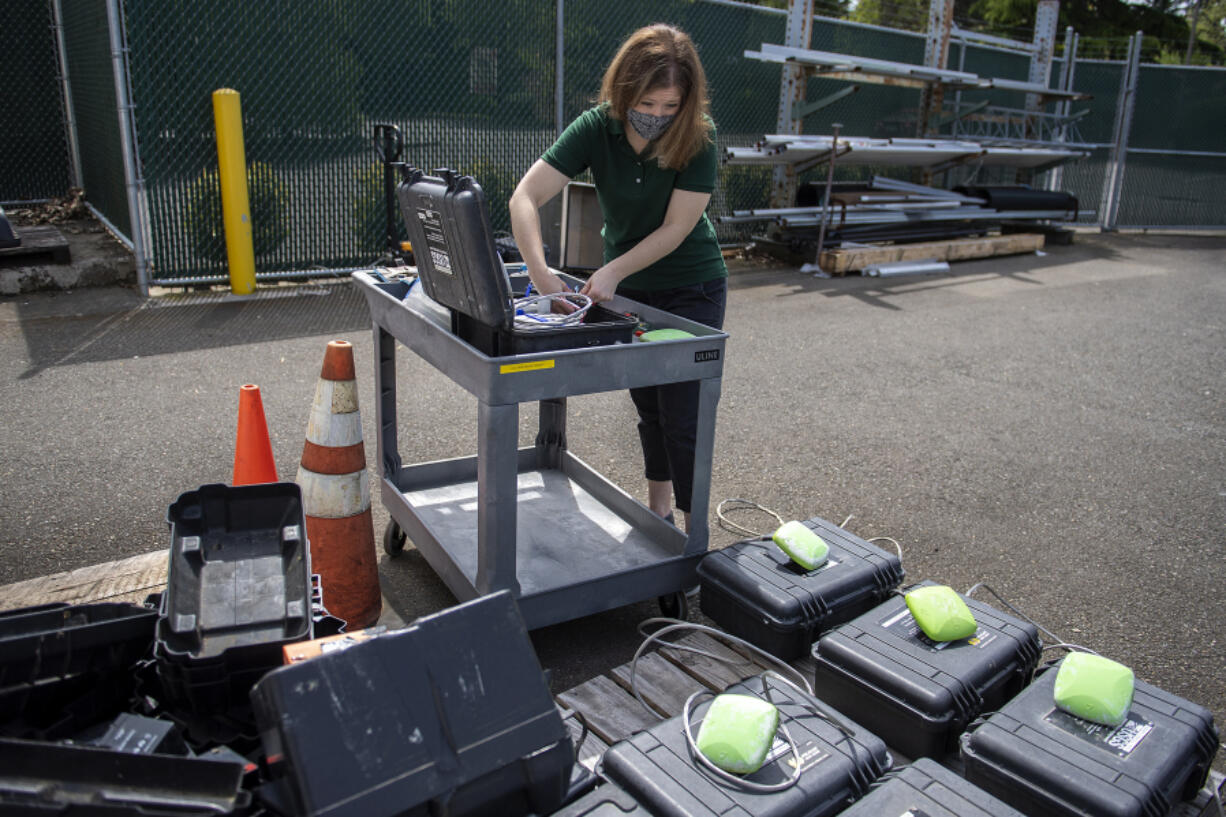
<point>537,520</point>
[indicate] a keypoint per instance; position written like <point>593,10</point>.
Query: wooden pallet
<point>40,244</point>
<point>854,259</point>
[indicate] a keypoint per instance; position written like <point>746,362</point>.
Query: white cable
<point>740,782</point>
<point>745,505</point>
<point>808,701</point>
<point>672,625</point>
<point>1069,647</point>
<point>897,546</point>
<point>526,316</point>
<point>1002,600</point>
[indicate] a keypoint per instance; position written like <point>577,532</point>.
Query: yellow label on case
<point>530,366</point>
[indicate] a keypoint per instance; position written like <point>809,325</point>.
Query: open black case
<point>448,223</point>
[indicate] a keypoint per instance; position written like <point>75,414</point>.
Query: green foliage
<point>745,187</point>
<point>911,15</point>
<point>268,201</point>
<point>498,183</point>
<point>368,210</point>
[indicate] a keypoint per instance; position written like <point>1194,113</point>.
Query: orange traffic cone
<point>253,462</point>
<point>336,495</point>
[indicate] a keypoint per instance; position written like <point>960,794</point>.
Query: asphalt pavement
<point>1051,425</point>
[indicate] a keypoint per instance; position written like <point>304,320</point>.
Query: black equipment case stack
<point>450,716</point>
<point>448,223</point>
<point>917,694</point>
<point>238,589</point>
<point>839,761</point>
<point>927,788</point>
<point>1047,762</point>
<point>755,591</point>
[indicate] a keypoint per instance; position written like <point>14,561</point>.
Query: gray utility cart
<point>538,521</point>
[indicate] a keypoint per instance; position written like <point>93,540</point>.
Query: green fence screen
<point>87,37</point>
<point>34,163</point>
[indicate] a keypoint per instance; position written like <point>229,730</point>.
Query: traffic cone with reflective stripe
<point>336,495</point>
<point>253,462</point>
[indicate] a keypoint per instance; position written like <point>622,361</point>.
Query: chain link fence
<point>91,76</point>
<point>34,161</point>
<point>472,85</point>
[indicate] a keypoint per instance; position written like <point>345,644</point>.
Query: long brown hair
<point>654,57</point>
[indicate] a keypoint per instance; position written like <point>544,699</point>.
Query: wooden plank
<point>806,666</point>
<point>610,711</point>
<point>840,261</point>
<point>714,673</point>
<point>663,686</point>
<point>129,580</point>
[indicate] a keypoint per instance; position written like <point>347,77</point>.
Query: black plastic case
<point>919,695</point>
<point>447,221</point>
<point>927,788</point>
<point>1044,761</point>
<point>54,657</point>
<point>606,801</point>
<point>753,590</point>
<point>655,766</point>
<point>238,589</point>
<point>39,778</point>
<point>451,715</point>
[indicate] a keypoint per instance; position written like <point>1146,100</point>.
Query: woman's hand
<point>601,285</point>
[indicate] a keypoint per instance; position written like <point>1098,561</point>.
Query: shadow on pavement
<point>172,324</point>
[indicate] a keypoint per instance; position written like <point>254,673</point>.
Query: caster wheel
<point>675,605</point>
<point>393,539</point>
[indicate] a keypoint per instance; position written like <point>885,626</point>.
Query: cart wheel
<point>393,539</point>
<point>675,605</point>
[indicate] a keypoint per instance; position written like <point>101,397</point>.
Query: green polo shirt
<point>633,192</point>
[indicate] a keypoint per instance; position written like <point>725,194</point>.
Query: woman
<point>651,148</point>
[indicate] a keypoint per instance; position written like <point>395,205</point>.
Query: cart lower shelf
<point>581,544</point>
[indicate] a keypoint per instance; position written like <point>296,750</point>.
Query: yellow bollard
<point>235,209</point>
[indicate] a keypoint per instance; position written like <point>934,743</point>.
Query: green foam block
<point>805,547</point>
<point>1094,688</point>
<point>941,613</point>
<point>665,334</point>
<point>737,732</point>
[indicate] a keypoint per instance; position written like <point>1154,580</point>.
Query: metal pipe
<point>127,137</point>
<point>927,267</point>
<point>70,117</point>
<point>111,228</point>
<point>1123,125</point>
<point>792,85</point>
<point>821,236</point>
<point>1204,153</point>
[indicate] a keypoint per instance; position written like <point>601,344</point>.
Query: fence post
<point>936,55</point>
<point>559,92</point>
<point>70,117</point>
<point>1113,184</point>
<point>792,87</point>
<point>1068,70</point>
<point>232,180</point>
<point>135,183</point>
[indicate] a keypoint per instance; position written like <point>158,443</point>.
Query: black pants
<point>668,414</point>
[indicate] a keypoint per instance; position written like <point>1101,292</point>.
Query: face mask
<point>647,125</point>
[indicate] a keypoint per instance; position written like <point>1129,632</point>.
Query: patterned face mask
<point>647,125</point>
